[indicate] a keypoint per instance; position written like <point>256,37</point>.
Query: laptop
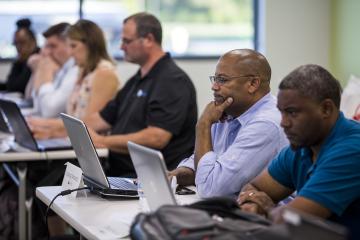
<point>4,128</point>
<point>305,226</point>
<point>93,173</point>
<point>22,133</point>
<point>151,171</point>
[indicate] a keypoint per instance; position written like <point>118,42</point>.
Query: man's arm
<point>211,114</point>
<point>153,137</point>
<point>97,123</point>
<point>261,194</point>
<point>185,176</point>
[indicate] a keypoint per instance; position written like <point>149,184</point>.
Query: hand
<point>39,128</point>
<point>184,176</point>
<point>43,128</point>
<point>97,139</point>
<point>214,113</point>
<point>48,65</point>
<point>256,202</point>
<point>33,61</point>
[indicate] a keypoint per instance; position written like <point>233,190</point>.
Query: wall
<point>345,44</point>
<point>294,33</point>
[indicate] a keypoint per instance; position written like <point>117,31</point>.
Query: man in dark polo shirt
<point>157,106</point>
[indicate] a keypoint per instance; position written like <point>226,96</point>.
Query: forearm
<point>249,187</point>
<point>203,143</point>
<point>152,137</point>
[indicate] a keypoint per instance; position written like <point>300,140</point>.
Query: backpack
<point>215,218</point>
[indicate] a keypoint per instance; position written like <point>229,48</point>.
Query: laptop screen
<point>151,171</point>
<point>18,125</point>
<point>85,150</point>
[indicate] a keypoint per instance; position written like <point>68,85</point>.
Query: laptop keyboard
<point>122,183</point>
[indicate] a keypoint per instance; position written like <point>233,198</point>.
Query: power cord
<point>63,193</point>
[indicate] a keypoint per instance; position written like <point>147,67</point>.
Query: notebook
<point>151,172</point>
<point>22,133</point>
<point>94,176</point>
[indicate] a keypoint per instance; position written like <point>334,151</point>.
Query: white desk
<point>94,217</point>
<point>21,158</point>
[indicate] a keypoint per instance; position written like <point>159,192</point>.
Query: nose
<point>215,86</point>
<point>122,45</point>
<point>285,122</point>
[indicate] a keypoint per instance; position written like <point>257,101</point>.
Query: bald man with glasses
<point>239,132</point>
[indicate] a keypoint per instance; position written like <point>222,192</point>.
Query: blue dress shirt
<point>242,148</point>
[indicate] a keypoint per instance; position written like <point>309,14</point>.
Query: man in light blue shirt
<point>239,132</point>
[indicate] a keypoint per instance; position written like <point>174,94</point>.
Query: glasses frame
<point>222,80</point>
<point>127,41</point>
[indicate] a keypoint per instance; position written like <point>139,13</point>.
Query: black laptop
<point>94,176</point>
<point>22,133</point>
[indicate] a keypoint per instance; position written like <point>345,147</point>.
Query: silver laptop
<point>151,172</point>
<point>94,176</point>
<point>22,133</point>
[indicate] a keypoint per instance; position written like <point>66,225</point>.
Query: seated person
<point>54,73</point>
<point>25,43</point>
<point>157,106</point>
<point>322,162</point>
<point>97,82</point>
<point>239,132</point>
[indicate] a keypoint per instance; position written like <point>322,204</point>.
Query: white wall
<point>295,32</point>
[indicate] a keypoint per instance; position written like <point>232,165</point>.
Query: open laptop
<point>151,171</point>
<point>4,128</point>
<point>22,133</point>
<point>94,176</point>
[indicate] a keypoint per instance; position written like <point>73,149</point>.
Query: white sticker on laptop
<point>72,179</point>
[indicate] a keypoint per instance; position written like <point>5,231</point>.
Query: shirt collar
<point>157,66</point>
<point>248,115</point>
<point>306,151</point>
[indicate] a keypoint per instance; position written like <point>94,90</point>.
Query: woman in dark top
<point>25,43</point>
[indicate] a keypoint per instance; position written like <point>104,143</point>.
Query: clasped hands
<point>255,202</point>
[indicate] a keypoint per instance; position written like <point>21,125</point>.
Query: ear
<point>254,84</point>
<point>149,40</point>
<point>327,107</point>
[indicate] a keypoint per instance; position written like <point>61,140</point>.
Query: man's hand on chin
<point>215,111</point>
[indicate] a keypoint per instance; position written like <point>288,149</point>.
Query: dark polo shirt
<point>164,98</point>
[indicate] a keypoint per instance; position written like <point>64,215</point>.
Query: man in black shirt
<point>157,106</point>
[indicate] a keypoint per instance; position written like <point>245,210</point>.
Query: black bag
<point>216,218</point>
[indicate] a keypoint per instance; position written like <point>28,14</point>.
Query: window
<point>196,28</point>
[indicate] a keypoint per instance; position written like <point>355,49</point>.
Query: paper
<point>72,178</point>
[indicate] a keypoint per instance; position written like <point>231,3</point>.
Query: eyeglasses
<point>127,41</point>
<point>222,80</point>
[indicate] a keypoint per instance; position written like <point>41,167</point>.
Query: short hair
<point>147,23</point>
<point>315,82</point>
<point>92,36</point>
<point>25,24</point>
<point>59,30</point>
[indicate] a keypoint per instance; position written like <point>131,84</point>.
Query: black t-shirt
<point>19,76</point>
<point>164,98</point>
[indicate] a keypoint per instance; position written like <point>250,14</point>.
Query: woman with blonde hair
<point>97,83</point>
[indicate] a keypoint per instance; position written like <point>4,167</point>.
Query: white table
<point>21,158</point>
<point>94,217</point>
